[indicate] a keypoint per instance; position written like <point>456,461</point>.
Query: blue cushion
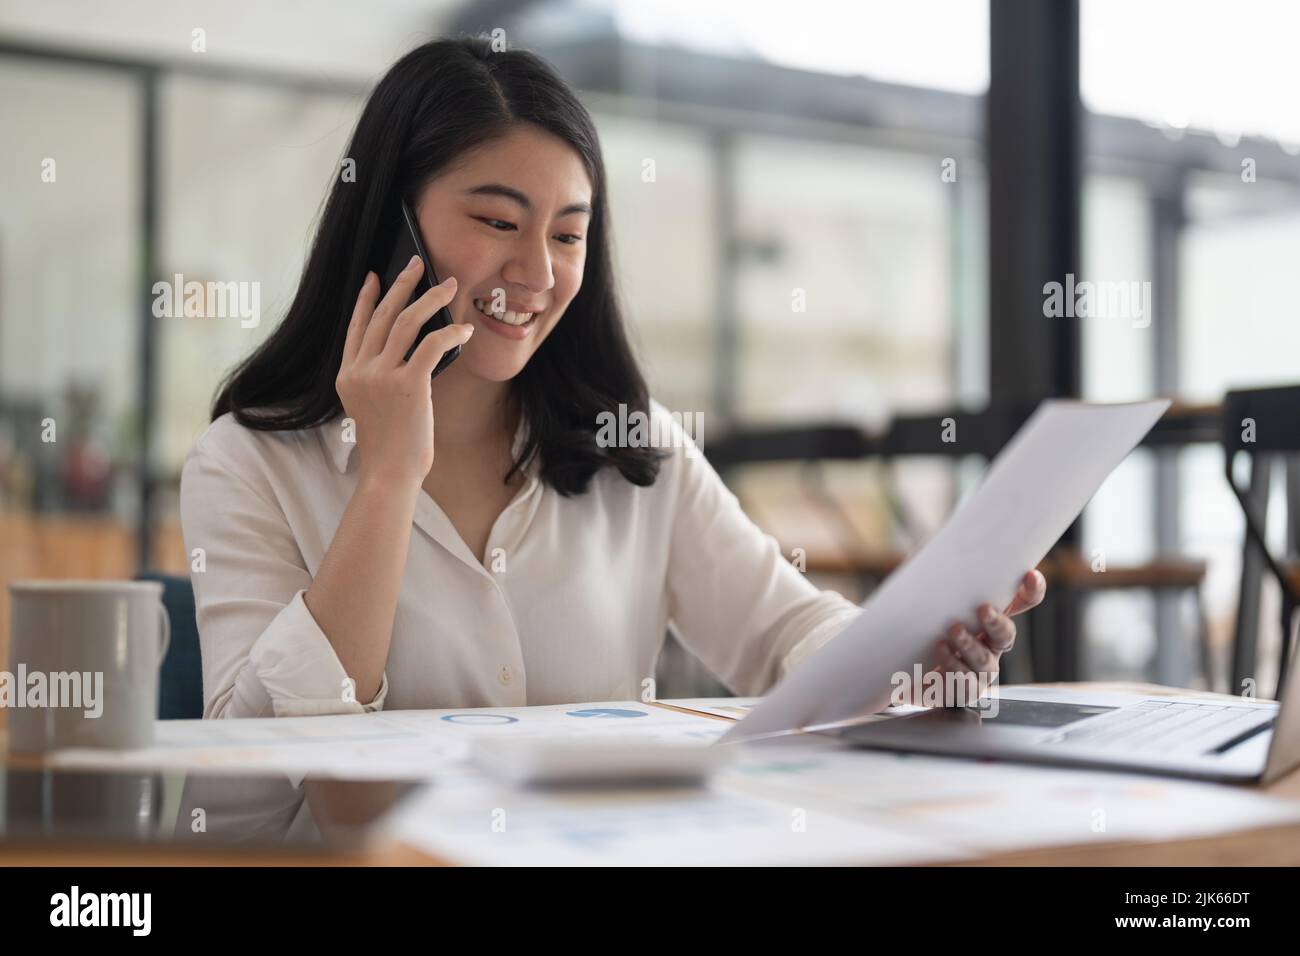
<point>180,685</point>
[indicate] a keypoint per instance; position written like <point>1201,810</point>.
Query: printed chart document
<point>395,744</point>
<point>1032,492</point>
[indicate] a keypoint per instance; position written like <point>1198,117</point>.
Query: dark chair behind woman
<point>1264,424</point>
<point>180,684</point>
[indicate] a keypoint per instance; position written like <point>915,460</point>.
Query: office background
<point>911,174</point>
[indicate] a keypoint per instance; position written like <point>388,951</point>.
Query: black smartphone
<point>405,245</point>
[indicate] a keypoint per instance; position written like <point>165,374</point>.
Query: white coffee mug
<point>83,663</point>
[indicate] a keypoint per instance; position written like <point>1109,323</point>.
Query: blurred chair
<point>1263,424</point>
<point>1056,641</point>
<point>180,684</point>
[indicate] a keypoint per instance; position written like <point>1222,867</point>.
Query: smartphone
<point>407,244</point>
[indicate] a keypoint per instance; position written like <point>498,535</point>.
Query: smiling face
<point>510,223</point>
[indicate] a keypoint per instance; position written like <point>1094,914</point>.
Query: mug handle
<point>166,632</point>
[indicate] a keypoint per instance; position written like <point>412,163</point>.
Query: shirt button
<point>505,675</point>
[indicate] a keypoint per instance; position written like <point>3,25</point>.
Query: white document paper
<point>979,807</point>
<point>487,825</point>
<point>395,744</point>
<point>1034,489</point>
<point>728,708</point>
<point>604,720</point>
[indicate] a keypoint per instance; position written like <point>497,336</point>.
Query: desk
<point>1271,846</point>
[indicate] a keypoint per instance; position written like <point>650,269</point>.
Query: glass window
<point>663,208</point>
<point>69,289</point>
<point>245,173</point>
<point>894,42</point>
<point>844,293</point>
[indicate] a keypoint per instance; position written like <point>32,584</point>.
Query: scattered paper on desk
<point>732,708</point>
<point>625,719</point>
<point>798,799</point>
<point>346,745</point>
<point>1032,492</point>
<point>990,806</point>
<point>484,826</point>
<point>398,744</point>
<point>735,708</point>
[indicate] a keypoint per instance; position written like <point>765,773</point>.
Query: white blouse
<point>571,603</point>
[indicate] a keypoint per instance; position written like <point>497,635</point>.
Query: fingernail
<point>449,281</point>
<point>469,329</point>
<point>989,617</point>
<point>414,259</point>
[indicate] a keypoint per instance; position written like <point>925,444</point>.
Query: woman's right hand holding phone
<point>389,400</point>
<point>353,594</point>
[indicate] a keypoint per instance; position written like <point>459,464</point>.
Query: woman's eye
<point>501,225</point>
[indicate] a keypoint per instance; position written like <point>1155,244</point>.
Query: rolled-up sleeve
<point>263,652</point>
<point>734,600</point>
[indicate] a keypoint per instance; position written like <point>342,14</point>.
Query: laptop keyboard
<point>1156,726</point>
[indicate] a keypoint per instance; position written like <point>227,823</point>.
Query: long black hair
<point>436,103</point>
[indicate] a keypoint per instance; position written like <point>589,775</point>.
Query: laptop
<point>1236,740</point>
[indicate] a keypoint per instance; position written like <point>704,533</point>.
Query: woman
<point>543,566</point>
